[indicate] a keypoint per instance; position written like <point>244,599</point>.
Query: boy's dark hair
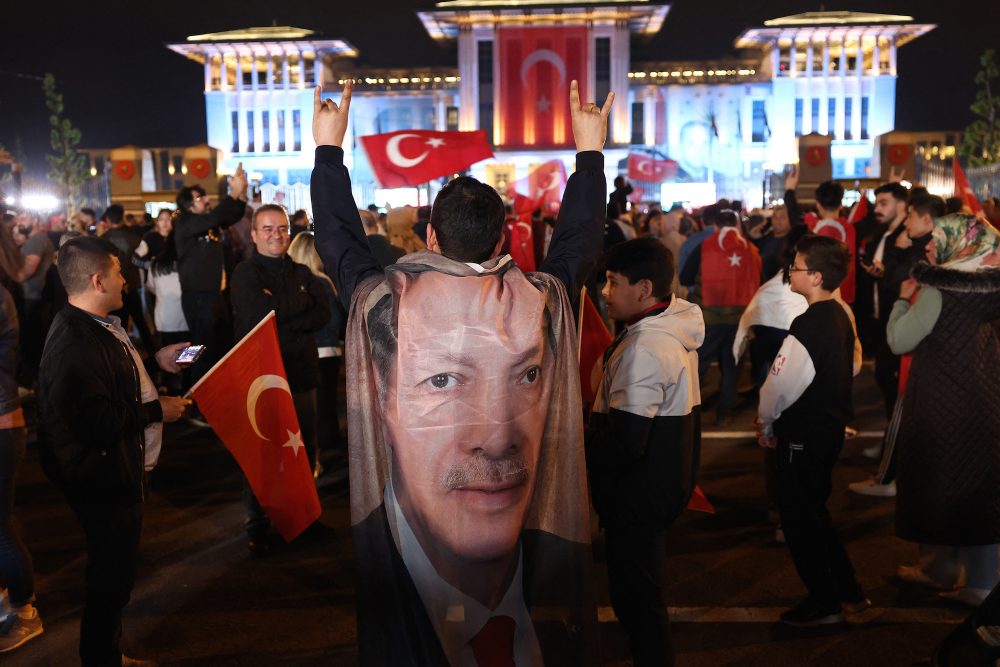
<point>953,205</point>
<point>467,218</point>
<point>643,259</point>
<point>81,258</point>
<point>727,218</point>
<point>898,192</point>
<point>827,256</point>
<point>114,214</point>
<point>89,211</point>
<point>830,195</point>
<point>299,215</point>
<point>185,198</point>
<point>925,203</point>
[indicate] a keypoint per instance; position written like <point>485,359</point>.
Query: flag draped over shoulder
<point>247,400</point>
<point>594,340</point>
<point>730,269</point>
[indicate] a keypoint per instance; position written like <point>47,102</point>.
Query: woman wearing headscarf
<point>948,478</point>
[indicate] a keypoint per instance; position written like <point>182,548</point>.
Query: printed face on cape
<point>465,410</point>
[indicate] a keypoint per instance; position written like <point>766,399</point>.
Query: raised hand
<point>894,177</point>
<point>329,119</point>
<point>792,179</point>
<point>238,183</point>
<point>590,123</point>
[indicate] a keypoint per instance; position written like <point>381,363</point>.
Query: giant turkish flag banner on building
<point>246,399</point>
<point>730,269</point>
<point>536,67</point>
<point>411,157</point>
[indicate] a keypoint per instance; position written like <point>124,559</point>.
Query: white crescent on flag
<point>642,166</point>
<point>258,387</point>
<point>722,236</point>
<point>538,56</point>
<point>396,156</point>
<point>822,224</point>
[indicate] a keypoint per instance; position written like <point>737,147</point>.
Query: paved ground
<point>202,600</point>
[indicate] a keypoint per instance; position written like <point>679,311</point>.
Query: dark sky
<point>122,86</point>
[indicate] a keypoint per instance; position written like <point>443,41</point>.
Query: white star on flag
<point>734,259</point>
<point>544,104</point>
<point>295,442</point>
<point>434,142</point>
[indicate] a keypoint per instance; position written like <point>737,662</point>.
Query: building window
<point>602,67</point>
<point>815,114</point>
<point>236,131</point>
<point>848,111</point>
<point>278,71</point>
<point>280,122</point>
<point>799,105</point>
<point>265,130</point>
<point>831,116</point>
<point>451,116</point>
<point>296,130</point>
<point>250,142</point>
<point>839,168</point>
<point>484,51</point>
<point>864,117</point>
<point>637,123</point>
<point>759,128</point>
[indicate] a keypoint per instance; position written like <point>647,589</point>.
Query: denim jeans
<point>15,561</point>
<point>718,345</point>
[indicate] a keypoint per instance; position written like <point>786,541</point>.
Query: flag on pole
<point>594,339</point>
<point>412,157</point>
<point>247,400</point>
<point>542,189</point>
<point>964,190</point>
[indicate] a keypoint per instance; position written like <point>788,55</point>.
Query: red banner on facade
<point>536,67</point>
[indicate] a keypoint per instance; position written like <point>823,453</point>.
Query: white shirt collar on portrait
<point>456,617</point>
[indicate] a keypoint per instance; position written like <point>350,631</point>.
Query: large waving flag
<point>542,189</point>
<point>594,339</point>
<point>411,157</point>
<point>650,169</point>
<point>246,399</point>
<point>964,190</point>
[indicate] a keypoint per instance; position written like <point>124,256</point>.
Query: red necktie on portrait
<point>493,646</point>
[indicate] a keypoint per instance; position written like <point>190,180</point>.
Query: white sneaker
<point>871,487</point>
<point>914,574</point>
<point>16,630</point>
<point>971,597</point>
<point>873,452</point>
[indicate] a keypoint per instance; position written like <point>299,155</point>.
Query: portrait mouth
<point>489,485</point>
<point>491,497</point>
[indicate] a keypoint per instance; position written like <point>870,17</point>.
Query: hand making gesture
<point>590,123</point>
<point>329,119</point>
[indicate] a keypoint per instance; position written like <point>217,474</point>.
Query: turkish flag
<point>730,269</point>
<point>964,190</point>
<point>650,169</point>
<point>536,67</point>
<point>860,210</point>
<point>246,399</point>
<point>594,340</point>
<point>699,502</point>
<point>411,157</point>
<point>522,244</point>
<point>839,229</point>
<point>542,189</point>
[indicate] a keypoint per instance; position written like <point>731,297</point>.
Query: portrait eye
<point>443,381</point>
<point>531,375</point>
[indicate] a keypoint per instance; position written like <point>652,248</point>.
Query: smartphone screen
<point>190,354</point>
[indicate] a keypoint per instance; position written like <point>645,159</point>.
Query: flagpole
<point>264,320</point>
<point>579,325</point>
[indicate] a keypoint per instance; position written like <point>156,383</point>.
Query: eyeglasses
<point>792,269</point>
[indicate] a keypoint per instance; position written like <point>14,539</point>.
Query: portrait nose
<point>495,432</point>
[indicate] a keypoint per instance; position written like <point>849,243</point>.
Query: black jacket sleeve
<point>340,236</point>
<point>794,210</point>
<point>579,234</point>
<point>228,212</point>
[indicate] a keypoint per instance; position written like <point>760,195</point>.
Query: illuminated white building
<point>724,121</point>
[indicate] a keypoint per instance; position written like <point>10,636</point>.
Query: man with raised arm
<point>469,502</point>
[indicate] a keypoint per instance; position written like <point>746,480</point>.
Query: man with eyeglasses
<point>198,235</point>
<point>268,281</point>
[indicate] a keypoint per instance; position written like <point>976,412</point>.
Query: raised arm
<point>579,233</point>
<point>340,236</point>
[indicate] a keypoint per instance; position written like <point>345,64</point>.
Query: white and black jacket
<point>644,439</point>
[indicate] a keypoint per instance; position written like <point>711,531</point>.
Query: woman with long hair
<point>164,282</point>
<point>330,343</point>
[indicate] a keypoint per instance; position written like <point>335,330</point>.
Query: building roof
<point>838,18</point>
<point>268,40</point>
<point>838,25</point>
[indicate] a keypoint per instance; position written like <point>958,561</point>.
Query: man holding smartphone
<point>100,432</point>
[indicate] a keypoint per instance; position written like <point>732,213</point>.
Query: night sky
<point>123,86</point>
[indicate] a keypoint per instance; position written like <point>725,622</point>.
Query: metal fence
<point>938,177</point>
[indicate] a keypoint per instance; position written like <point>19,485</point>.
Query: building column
<point>859,62</point>
<point>793,65</point>
<point>621,114</point>
<point>649,116</point>
<point>286,103</point>
<point>241,121</point>
<point>440,112</point>
<point>842,94</point>
<point>468,83</point>
<point>317,68</point>
<point>208,72</point>
<point>807,125</point>
<point>775,59</point>
<point>892,55</point>
<point>877,57</point>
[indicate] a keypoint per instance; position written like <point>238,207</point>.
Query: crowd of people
<point>95,312</point>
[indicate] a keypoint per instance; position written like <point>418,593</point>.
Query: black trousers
<point>887,375</point>
<point>636,558</point>
<point>326,399</point>
<point>203,310</point>
<point>112,535</point>
<point>804,471</point>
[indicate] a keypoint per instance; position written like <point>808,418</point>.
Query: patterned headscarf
<point>965,243</point>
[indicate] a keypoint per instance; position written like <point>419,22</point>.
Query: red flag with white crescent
<point>840,229</point>
<point>730,269</point>
<point>542,189</point>
<point>964,190</point>
<point>522,244</point>
<point>536,67</point>
<point>247,400</point>
<point>411,157</point>
<point>650,169</point>
<point>594,340</point>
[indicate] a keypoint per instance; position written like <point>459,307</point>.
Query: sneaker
<point>871,487</point>
<point>135,662</point>
<point>914,574</point>
<point>970,597</point>
<point>857,605</point>
<point>850,432</point>
<point>16,630</point>
<point>873,452</point>
<point>808,614</point>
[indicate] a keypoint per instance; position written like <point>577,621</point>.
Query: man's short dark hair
<point>619,181</point>
<point>827,256</point>
<point>268,208</point>
<point>727,218</point>
<point>90,212</point>
<point>710,214</point>
<point>82,257</point>
<point>898,192</point>
<point>830,195</point>
<point>924,203</point>
<point>114,214</point>
<point>467,218</point>
<point>643,259</point>
<point>187,195</point>
<point>953,205</point>
<point>300,215</point>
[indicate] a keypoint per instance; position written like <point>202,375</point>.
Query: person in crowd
<point>805,404</point>
<point>464,375</point>
<point>827,221</point>
<point>948,443</point>
<point>643,439</point>
<point>330,347</point>
<point>618,200</point>
<point>11,262</point>
<point>197,234</point>
<point>769,237</point>
<point>399,225</point>
<point>300,222</point>
<point>88,220</point>
<point>665,228</point>
<point>724,272</point>
<point>708,218</point>
<point>386,253</point>
<point>127,238</point>
<point>164,284</point>
<point>100,431</point>
<point>23,623</point>
<point>153,242</point>
<point>272,281</point>
<point>37,256</point>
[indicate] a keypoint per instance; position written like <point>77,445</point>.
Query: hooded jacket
<point>644,440</point>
